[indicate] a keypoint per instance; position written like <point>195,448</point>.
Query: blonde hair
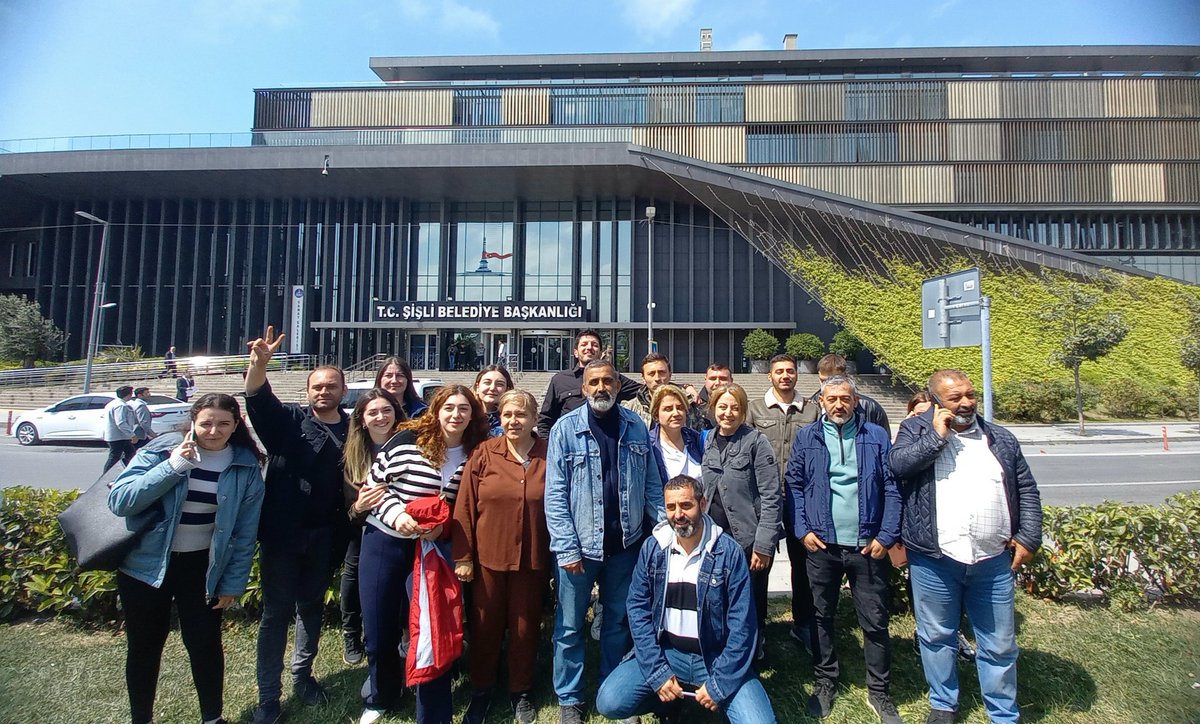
<point>515,395</point>
<point>660,393</point>
<point>739,394</point>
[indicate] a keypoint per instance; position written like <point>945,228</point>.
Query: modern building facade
<point>475,206</point>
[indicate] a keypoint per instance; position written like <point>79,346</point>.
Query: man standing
<point>120,429</point>
<point>846,512</point>
<point>779,415</point>
<point>685,635</point>
<point>564,392</point>
<point>169,360</point>
<point>717,375</point>
<point>832,365</point>
<point>972,517</point>
<point>141,416</point>
<point>183,387</point>
<point>301,531</point>
<point>656,372</point>
<point>602,491</point>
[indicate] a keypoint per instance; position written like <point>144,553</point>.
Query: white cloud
<point>651,18</point>
<point>752,41</point>
<point>224,15</point>
<point>457,17</point>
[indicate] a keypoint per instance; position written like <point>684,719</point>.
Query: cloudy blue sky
<point>96,67</point>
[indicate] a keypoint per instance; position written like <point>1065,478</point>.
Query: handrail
<point>367,363</point>
<point>121,372</point>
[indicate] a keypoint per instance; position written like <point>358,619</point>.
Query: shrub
<point>1041,401</point>
<point>804,346</point>
<point>760,344</point>
<point>1130,398</point>
<point>846,344</point>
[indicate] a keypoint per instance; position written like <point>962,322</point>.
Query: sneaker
<point>310,692</point>
<point>940,716</point>
<point>570,714</point>
<point>885,708</point>
<point>966,652</point>
<point>352,650</point>
<point>820,704</point>
<point>523,709</point>
<point>268,713</point>
<point>477,711</point>
<point>370,716</point>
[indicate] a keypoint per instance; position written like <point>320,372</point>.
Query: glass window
<point>604,300</point>
<point>477,107</point>
<point>598,106</point>
<point>624,270</point>
<point>484,261</point>
<point>426,253</point>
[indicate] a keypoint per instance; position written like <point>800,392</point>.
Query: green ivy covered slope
<point>884,311</point>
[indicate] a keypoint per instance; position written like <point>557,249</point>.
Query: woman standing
<point>502,545</point>
<point>741,482</point>
<point>492,382</point>
<point>396,377</point>
<point>679,449</point>
<point>376,417</point>
<point>207,486</point>
<point>423,460</point>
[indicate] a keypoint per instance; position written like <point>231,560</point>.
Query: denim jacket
<point>728,629</point>
<point>150,479</point>
<point>575,486</point>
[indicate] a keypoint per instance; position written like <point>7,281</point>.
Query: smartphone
<point>191,437</point>
<point>936,400</point>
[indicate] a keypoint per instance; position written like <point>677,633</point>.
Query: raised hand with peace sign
<point>261,351</point>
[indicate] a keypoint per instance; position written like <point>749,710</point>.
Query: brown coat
<point>499,517</point>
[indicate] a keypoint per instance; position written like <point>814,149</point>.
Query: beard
<point>964,420</point>
<point>686,529</point>
<point>600,402</point>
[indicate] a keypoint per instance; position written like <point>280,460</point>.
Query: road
<point>1067,474</point>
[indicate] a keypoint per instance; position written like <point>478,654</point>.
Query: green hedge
<point>1126,553</point>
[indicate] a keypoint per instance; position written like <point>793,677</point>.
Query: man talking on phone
<point>690,642</point>
<point>972,516</point>
<point>302,530</point>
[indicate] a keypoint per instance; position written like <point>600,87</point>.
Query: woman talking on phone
<point>208,487</point>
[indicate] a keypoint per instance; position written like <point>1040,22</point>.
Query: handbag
<point>97,538</point>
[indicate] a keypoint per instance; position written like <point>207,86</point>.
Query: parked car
<point>425,388</point>
<point>81,417</point>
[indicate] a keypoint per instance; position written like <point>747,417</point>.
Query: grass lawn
<point>1077,665</point>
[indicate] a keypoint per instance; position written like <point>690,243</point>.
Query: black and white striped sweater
<point>409,475</point>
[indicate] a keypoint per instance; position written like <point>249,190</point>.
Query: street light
<point>97,295</point>
<point>650,212</point>
<point>100,332</point>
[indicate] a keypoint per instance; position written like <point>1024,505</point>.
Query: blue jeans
<point>941,588</point>
<point>294,575</point>
<point>570,620</point>
<point>626,693</point>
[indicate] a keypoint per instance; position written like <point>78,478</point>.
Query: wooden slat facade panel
<point>922,142</point>
<point>973,99</point>
<point>1139,182</point>
<point>1179,97</point>
<point>717,144</point>
<point>795,102</point>
<point>1130,98</point>
<point>525,106</point>
<point>908,185</point>
<point>1032,183</point>
<point>1182,181</point>
<point>671,104</point>
<point>382,108</point>
<point>975,141</point>
<point>1052,99</point>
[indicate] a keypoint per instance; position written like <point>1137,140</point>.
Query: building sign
<point>479,312</point>
<point>296,341</point>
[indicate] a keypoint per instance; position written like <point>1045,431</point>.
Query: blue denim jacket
<point>728,627</point>
<point>575,487</point>
<point>150,478</point>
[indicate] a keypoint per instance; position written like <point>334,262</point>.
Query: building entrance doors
<point>547,352</point>
<point>498,350</point>
<point>423,350</point>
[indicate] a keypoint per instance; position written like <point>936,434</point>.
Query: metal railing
<point>320,137</point>
<point>120,372</point>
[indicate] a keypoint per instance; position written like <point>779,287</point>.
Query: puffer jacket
<point>912,459</point>
<point>150,479</point>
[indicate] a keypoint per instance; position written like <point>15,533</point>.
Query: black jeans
<point>869,587</point>
<point>118,450</point>
<point>148,621</point>
<point>758,586</point>
<point>802,600</point>
<point>352,626</point>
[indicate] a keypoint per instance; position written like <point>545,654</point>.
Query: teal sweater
<point>843,480</point>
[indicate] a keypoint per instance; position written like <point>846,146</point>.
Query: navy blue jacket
<point>918,446</point>
<point>809,494</point>
<point>693,443</point>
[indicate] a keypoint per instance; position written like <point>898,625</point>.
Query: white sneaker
<point>370,716</point>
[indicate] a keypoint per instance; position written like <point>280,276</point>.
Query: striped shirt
<point>681,620</point>
<point>409,475</point>
<point>198,515</point>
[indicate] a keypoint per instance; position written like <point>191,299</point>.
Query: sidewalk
<point>1104,432</point>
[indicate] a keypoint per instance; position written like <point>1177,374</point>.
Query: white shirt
<point>678,462</point>
<point>973,522</point>
<point>771,400</point>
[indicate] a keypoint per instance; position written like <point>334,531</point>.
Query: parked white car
<point>426,389</point>
<point>81,417</point>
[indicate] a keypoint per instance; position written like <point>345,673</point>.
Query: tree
<point>1087,333</point>
<point>1189,347</point>
<point>25,335</point>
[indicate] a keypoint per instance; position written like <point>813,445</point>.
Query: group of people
<point>127,424</point>
<point>667,501</point>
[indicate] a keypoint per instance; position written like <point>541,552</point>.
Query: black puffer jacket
<point>916,448</point>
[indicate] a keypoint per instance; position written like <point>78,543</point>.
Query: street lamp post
<point>97,295</point>
<point>650,213</point>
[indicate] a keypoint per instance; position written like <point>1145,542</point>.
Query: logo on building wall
<point>296,341</point>
<point>479,312</point>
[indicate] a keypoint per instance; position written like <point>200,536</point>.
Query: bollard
<point>1166,445</point>
<point>8,426</point>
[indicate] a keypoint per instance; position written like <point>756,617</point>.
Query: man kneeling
<point>691,614</point>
